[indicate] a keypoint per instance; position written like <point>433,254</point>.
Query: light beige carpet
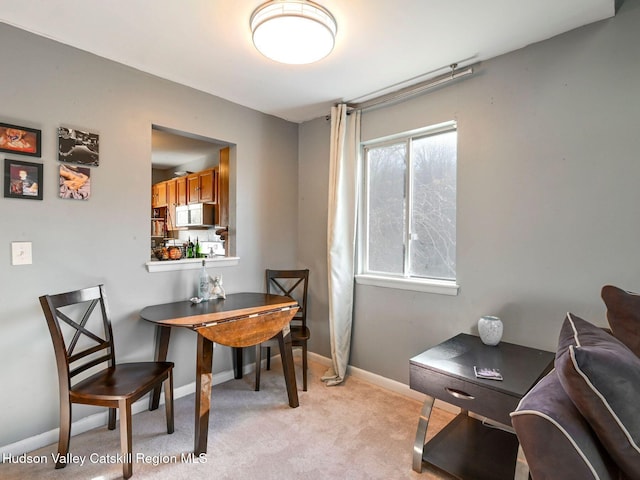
<point>352,431</point>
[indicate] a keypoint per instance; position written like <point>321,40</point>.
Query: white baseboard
<point>386,383</point>
<point>100,419</point>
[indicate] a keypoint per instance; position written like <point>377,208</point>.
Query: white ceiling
<point>206,44</point>
<point>170,149</point>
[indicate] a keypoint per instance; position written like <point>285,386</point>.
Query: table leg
<point>204,365</point>
<point>162,347</point>
<point>286,354</point>
<point>421,433</point>
<point>237,362</point>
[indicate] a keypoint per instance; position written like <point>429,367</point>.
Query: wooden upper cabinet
<point>193,185</point>
<point>202,187</point>
<point>170,194</point>
<point>209,186</point>
<point>181,190</point>
<point>171,203</point>
<point>159,195</point>
<point>222,203</point>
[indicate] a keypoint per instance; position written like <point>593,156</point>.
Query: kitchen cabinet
<point>209,186</point>
<point>222,200</point>
<point>172,201</point>
<point>193,185</point>
<point>199,187</point>
<point>159,195</point>
<point>169,194</point>
<point>181,190</point>
<point>202,187</point>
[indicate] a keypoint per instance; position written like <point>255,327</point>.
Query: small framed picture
<point>75,182</point>
<point>22,179</point>
<point>21,140</point>
<point>77,146</point>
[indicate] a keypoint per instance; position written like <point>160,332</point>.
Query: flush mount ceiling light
<point>293,31</point>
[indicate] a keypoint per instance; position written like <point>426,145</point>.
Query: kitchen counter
<point>154,266</point>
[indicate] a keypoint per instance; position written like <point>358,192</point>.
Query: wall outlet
<point>21,253</point>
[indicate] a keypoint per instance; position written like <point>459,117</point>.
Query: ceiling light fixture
<point>293,31</point>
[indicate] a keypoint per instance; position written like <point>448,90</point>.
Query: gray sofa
<point>582,421</point>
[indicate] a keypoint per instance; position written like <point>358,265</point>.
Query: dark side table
<point>470,447</point>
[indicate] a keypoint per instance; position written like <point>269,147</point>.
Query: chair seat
<point>299,333</point>
<point>125,380</point>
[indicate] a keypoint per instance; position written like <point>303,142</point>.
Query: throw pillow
<point>623,313</point>
<point>556,439</point>
<point>602,378</point>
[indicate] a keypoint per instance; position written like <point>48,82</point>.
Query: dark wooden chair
<point>294,284</point>
<point>87,369</point>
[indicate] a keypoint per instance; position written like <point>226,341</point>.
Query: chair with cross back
<point>80,328</point>
<point>294,284</point>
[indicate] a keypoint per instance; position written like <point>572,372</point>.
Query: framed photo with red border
<point>20,140</point>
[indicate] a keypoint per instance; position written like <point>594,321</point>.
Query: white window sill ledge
<point>190,264</point>
<point>441,287</point>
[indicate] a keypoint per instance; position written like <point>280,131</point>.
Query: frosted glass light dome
<point>293,31</point>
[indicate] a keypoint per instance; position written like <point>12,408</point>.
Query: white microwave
<point>195,215</point>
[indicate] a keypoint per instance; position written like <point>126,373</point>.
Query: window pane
<point>433,217</point>
<point>386,196</point>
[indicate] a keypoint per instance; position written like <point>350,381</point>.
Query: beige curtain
<point>341,232</point>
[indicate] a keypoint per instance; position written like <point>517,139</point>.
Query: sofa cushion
<point>623,313</point>
<point>602,378</point>
<point>556,440</point>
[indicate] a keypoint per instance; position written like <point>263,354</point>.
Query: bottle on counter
<point>198,250</point>
<point>204,285</point>
<point>189,248</point>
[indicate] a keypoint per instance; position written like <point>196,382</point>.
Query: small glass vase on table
<point>490,329</point>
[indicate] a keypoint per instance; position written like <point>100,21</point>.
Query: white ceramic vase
<point>490,330</point>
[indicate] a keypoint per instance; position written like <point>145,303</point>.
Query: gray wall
<point>313,186</point>
<point>548,197</point>
<point>106,239</point>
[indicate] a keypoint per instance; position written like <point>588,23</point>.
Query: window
<point>407,230</point>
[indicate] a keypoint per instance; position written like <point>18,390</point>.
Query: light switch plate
<point>21,253</point>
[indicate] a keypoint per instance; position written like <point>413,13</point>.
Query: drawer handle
<point>459,394</point>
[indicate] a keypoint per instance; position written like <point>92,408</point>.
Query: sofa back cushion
<point>601,376</point>
<point>623,313</point>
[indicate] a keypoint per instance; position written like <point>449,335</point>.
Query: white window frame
<point>401,282</point>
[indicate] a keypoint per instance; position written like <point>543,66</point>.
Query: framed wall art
<point>22,179</point>
<point>20,140</point>
<point>77,146</point>
<point>75,182</point>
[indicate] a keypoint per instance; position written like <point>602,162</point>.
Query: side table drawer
<point>476,398</point>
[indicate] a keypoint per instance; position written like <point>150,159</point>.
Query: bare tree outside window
<point>433,213</point>
<point>387,170</point>
<point>410,206</point>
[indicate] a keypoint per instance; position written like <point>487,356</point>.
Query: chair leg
<point>125,438</point>
<point>111,425</point>
<point>268,358</point>
<point>168,401</point>
<point>65,430</point>
<point>258,366</point>
<point>304,366</point>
